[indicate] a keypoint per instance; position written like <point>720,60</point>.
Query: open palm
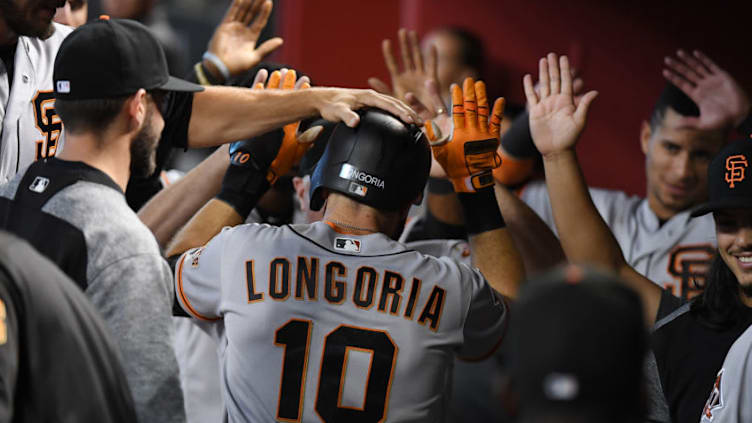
<point>555,121</point>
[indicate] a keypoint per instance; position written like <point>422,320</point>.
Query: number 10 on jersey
<point>295,338</point>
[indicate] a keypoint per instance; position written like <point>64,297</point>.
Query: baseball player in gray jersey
<point>658,237</point>
<point>338,297</point>
<point>731,398</point>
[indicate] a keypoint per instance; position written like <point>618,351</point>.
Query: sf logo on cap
<point>735,166</point>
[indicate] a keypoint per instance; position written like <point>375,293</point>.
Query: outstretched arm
<point>468,158</point>
<point>556,124</point>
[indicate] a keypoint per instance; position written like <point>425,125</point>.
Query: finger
<point>269,46</point>
<point>261,17</point>
<point>289,82</point>
<point>480,96</point>
<point>274,79</point>
<point>527,83</point>
<point>682,70</point>
<point>566,76</point>
<point>432,67</point>
<point>309,135</point>
<point>407,63</point>
<point>303,83</point>
<point>391,105</point>
<point>553,73</point>
<point>458,111</point>
<point>234,10</point>
<point>496,115</point>
<point>386,48</point>
<point>693,63</point>
<point>543,78</point>
<point>434,97</point>
<point>712,67</point>
<point>246,11</point>
<point>581,112</point>
<point>470,103</point>
<point>379,85</point>
<point>415,48</point>
<point>260,78</point>
<point>348,116</point>
<point>680,82</point>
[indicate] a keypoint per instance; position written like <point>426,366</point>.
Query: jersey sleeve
<point>197,279</point>
<point>9,352</point>
<point>486,320</point>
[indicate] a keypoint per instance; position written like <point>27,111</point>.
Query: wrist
<point>212,72</point>
<point>559,155</point>
<point>481,211</point>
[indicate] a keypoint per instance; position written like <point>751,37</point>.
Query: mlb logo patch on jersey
<point>347,244</point>
<point>357,189</point>
<point>63,87</point>
<point>715,401</point>
<point>39,184</point>
<point>195,255</point>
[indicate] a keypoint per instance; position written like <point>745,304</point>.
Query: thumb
<point>269,46</point>
<point>310,134</point>
<point>581,112</point>
<point>379,86</point>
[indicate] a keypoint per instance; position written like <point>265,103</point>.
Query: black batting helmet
<point>382,162</point>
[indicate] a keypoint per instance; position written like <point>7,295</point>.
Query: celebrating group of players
<point>345,309</point>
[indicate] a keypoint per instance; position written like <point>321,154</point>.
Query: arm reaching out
<point>468,158</point>
<point>556,124</point>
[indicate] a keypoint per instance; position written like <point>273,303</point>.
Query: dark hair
<point>674,98</point>
<point>719,306</point>
<point>89,115</point>
<point>472,51</point>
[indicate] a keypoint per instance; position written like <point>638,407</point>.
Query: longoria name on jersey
<point>310,279</point>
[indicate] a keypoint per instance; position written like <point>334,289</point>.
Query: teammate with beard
<point>110,82</point>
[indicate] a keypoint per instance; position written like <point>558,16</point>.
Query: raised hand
<point>234,40</point>
<point>555,121</point>
<point>722,102</point>
<point>470,154</point>
<point>415,71</point>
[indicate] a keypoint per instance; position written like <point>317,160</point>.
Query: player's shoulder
<point>53,41</point>
<point>457,249</point>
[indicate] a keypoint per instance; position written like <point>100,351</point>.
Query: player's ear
<point>301,187</point>
<point>645,134</point>
<point>136,107</point>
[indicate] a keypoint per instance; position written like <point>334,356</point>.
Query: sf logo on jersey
<point>688,264</point>
<point>48,122</point>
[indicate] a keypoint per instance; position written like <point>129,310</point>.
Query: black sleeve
<point>9,350</point>
<point>177,310</point>
<point>177,117</point>
<point>668,304</point>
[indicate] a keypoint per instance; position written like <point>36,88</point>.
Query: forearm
<point>442,202</point>
<point>538,246</point>
<point>225,114</point>
<point>584,235</point>
<point>207,223</point>
<point>171,208</point>
<point>493,250</point>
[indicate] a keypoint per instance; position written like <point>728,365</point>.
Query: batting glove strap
<point>243,184</point>
<point>481,211</point>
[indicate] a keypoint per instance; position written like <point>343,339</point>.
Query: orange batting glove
<point>470,154</point>
<point>293,145</point>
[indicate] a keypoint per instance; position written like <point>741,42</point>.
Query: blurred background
<point>617,46</point>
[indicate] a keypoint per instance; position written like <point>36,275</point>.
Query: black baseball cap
<point>110,58</point>
<point>577,345</point>
<point>729,179</point>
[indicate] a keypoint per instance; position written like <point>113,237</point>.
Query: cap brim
<point>730,203</point>
<point>177,84</point>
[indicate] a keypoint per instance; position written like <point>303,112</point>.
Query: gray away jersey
<point>674,255</point>
<point>318,325</point>
<point>731,398</point>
